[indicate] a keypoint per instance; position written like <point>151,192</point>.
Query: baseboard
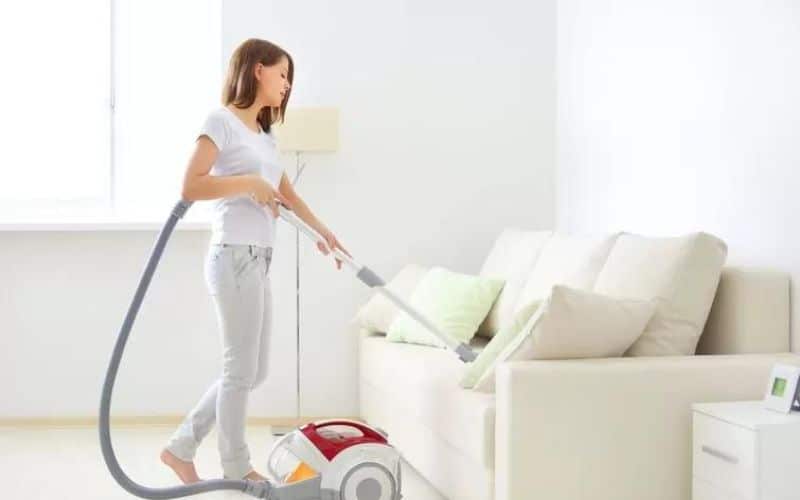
<point>152,420</point>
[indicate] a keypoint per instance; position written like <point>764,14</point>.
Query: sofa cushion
<point>511,258</point>
<point>571,260</point>
<point>379,312</point>
<point>455,302</point>
<point>680,273</point>
<point>424,380</point>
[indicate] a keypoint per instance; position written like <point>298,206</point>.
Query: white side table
<point>743,451</point>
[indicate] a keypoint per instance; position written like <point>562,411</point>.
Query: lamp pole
<point>298,169</point>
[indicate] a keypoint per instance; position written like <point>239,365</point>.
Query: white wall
<point>62,301</point>
<point>680,116</point>
<point>447,113</point>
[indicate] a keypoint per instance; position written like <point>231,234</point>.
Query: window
<point>102,101</point>
<point>168,76</point>
<point>55,97</point>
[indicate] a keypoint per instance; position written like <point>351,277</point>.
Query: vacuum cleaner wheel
<point>369,481</point>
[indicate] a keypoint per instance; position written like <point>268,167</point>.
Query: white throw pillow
<point>379,312</point>
<point>574,324</point>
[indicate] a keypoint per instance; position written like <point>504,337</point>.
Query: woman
<point>236,141</point>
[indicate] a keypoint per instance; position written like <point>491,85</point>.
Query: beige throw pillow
<point>571,324</point>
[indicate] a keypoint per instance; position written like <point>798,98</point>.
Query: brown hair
<point>240,83</point>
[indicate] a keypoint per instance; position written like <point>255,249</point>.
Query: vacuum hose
<point>259,489</point>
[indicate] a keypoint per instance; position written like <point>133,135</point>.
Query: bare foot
<point>185,470</point>
<point>254,476</point>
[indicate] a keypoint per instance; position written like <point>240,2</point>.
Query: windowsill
<point>99,225</point>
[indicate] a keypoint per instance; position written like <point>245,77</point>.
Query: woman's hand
<point>264,194</point>
<point>332,243</point>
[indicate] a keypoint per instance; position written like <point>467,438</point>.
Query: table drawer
<point>704,490</point>
<point>724,455</point>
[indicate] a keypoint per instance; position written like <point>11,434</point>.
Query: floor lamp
<point>305,130</point>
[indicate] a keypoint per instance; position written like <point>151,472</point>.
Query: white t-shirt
<point>239,219</point>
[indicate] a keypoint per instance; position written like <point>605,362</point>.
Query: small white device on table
<point>744,451</point>
<point>782,389</point>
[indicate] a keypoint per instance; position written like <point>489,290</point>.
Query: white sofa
<point>597,429</point>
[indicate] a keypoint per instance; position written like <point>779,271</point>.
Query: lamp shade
<point>308,129</point>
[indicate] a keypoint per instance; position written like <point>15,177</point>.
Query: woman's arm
<point>300,208</point>
<point>198,185</point>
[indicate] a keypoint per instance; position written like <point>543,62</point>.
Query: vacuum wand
<point>372,280</point>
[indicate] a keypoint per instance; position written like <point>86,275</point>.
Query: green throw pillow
<point>486,358</point>
<point>457,303</point>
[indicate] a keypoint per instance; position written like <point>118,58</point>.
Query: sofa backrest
<point>532,262</point>
<point>750,313</point>
<point>570,260</point>
<point>511,258</point>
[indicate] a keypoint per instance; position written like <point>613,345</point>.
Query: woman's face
<point>273,82</point>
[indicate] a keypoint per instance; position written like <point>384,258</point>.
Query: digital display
<point>778,387</point>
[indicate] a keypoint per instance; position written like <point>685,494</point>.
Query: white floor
<point>66,463</point>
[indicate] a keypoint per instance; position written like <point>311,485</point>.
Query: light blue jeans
<point>238,281</point>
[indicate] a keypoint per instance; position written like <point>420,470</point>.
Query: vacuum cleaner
<point>328,460</point>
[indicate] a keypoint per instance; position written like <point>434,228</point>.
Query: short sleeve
<point>216,128</point>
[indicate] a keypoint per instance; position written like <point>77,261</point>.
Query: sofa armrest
<point>607,429</point>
